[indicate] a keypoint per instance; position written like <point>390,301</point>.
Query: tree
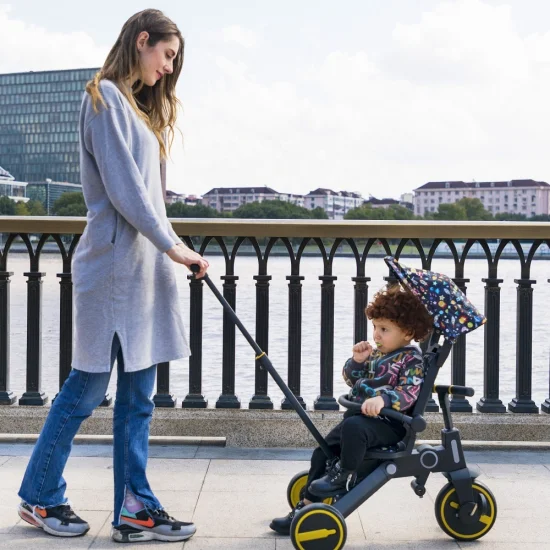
<point>181,210</point>
<point>319,214</point>
<point>7,206</point>
<point>366,212</point>
<point>275,209</point>
<point>21,209</point>
<point>70,204</point>
<point>36,208</point>
<point>466,209</point>
<point>511,217</point>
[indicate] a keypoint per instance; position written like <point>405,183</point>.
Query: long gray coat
<point>123,280</point>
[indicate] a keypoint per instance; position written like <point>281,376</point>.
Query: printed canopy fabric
<point>452,312</point>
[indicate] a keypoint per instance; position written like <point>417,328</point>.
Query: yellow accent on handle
<point>450,389</point>
<point>314,535</point>
<point>260,356</point>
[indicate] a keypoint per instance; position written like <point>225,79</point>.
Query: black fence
<point>361,240</point>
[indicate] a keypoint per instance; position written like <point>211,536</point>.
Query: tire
<point>318,526</point>
<point>296,488</point>
<point>446,507</point>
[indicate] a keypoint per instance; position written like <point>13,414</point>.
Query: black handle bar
<point>454,390</point>
<point>417,423</point>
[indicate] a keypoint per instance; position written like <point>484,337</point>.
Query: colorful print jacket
<point>396,377</point>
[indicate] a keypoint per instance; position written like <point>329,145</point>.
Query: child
<point>390,376</point>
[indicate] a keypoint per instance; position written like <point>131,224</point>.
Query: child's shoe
<point>60,521</point>
<point>282,525</point>
<point>335,482</point>
<point>144,525</point>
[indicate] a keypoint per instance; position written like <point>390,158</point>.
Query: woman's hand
<point>361,352</point>
<point>182,254</point>
<point>372,406</point>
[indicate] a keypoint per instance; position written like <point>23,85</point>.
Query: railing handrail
<point>225,227</point>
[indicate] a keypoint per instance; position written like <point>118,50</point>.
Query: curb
<point>108,439</point>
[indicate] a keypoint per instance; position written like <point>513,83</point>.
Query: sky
<point>372,96</point>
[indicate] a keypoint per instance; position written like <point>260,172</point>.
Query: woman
<point>126,299</point>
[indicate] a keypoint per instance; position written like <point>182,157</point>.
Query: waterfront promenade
<point>232,493</point>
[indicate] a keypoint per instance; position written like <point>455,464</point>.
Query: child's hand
<point>361,352</point>
<point>372,406</point>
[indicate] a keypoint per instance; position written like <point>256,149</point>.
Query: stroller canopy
<point>452,312</point>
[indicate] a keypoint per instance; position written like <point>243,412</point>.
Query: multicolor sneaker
<point>143,525</point>
<point>59,521</point>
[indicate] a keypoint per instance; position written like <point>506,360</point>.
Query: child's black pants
<point>350,440</point>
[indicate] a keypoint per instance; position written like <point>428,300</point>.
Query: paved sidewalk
<point>232,494</point>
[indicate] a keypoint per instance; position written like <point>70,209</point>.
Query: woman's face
<point>158,60</point>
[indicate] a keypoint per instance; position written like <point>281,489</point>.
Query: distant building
<point>172,197</point>
<point>14,190</point>
<point>228,199</point>
<point>39,114</point>
<point>528,197</point>
<point>335,203</point>
<point>298,200</point>
<point>48,192</point>
<point>385,203</point>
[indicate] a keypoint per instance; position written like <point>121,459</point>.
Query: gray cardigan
<point>123,280</point>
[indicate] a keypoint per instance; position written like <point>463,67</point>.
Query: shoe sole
<point>144,536</point>
<point>37,522</point>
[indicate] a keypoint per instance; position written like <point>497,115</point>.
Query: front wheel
<point>485,513</point>
<point>318,527</point>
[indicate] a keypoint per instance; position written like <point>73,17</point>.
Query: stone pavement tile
<point>9,497</point>
<point>248,453</point>
<point>485,544</point>
<point>246,515</point>
<point>26,536</point>
<point>285,544</point>
<point>274,484</point>
<point>508,457</point>
<point>511,471</point>
<point>396,513</point>
<point>211,543</point>
<point>9,518</point>
<point>520,530</point>
<point>3,459</point>
<point>257,467</point>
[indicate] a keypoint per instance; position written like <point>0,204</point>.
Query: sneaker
<point>144,525</point>
<point>336,481</point>
<point>59,521</point>
<point>282,525</point>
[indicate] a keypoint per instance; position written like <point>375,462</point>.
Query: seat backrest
<point>434,355</point>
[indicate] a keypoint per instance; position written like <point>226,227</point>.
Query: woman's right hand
<point>361,351</point>
<point>182,254</point>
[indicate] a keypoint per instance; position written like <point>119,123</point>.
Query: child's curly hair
<point>403,308</point>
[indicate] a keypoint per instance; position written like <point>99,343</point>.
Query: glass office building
<point>49,191</point>
<point>39,124</point>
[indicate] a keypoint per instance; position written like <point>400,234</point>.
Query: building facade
<point>14,190</point>
<point>49,191</point>
<point>335,203</point>
<point>528,197</point>
<point>39,124</point>
<point>228,199</point>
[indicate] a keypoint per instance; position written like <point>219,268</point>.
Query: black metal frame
<point>406,461</point>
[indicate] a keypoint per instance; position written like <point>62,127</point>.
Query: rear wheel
<point>296,489</point>
<point>318,527</point>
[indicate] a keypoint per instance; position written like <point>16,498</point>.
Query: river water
<point>279,268</point>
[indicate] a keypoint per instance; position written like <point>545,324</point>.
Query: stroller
<point>465,509</point>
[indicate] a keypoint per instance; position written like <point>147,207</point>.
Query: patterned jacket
<point>397,377</point>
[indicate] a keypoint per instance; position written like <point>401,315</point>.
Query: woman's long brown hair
<point>157,105</point>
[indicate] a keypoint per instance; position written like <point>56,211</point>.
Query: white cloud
<point>25,47</point>
<point>239,35</point>
<point>461,95</point>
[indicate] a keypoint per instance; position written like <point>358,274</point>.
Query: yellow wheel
<point>318,527</point>
<point>484,515</point>
<point>296,489</point>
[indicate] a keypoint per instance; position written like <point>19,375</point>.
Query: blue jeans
<point>43,484</point>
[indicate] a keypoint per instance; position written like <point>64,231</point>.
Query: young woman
<point>125,294</point>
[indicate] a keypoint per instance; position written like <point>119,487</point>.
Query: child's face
<point>388,336</point>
